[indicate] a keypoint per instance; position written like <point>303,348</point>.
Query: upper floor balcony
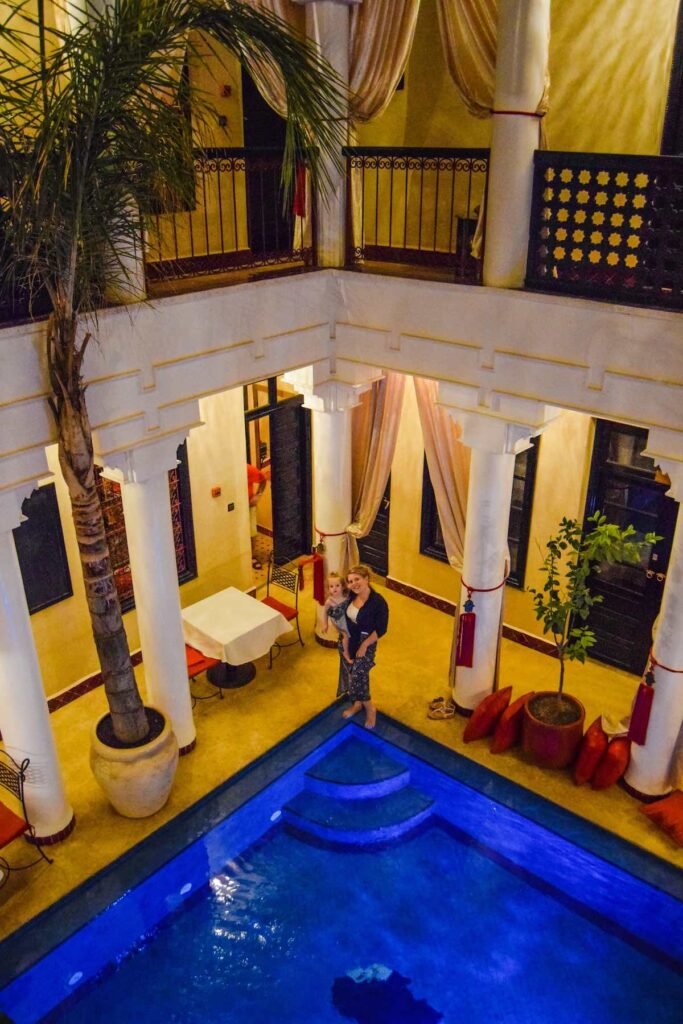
<point>602,226</point>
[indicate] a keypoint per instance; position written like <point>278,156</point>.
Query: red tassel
<point>319,579</point>
<point>640,716</point>
<point>299,205</point>
<point>464,651</point>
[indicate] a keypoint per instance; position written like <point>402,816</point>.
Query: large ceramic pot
<point>552,744</point>
<point>137,780</point>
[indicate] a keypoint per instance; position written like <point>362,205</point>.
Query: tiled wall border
<point>534,643</point>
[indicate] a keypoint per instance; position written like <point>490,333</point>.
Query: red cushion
<point>486,714</point>
<point>11,825</point>
<point>612,764</point>
<point>283,609</point>
<point>593,746</point>
<point>668,814</point>
<point>197,662</point>
<point>508,730</point>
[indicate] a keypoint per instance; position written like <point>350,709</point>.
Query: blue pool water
<point>281,923</point>
<point>345,878</point>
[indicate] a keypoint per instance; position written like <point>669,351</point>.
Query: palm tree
<point>91,133</point>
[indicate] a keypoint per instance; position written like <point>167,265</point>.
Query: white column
<point>328,24</point>
<point>486,550</point>
<point>332,476</point>
<point>521,63</point>
<point>650,770</point>
<point>143,476</point>
<point>24,717</point>
<point>332,396</point>
<point>496,427</point>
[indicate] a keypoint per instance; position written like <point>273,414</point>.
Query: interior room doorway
<point>627,486</point>
<point>278,435</point>
<point>374,549</point>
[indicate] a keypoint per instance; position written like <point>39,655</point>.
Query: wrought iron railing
<point>417,207</point>
<point>608,226</point>
<point>238,220</point>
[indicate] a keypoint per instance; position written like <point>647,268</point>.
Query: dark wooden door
<point>626,486</point>
<point>290,455</point>
<point>270,231</point>
<point>374,549</point>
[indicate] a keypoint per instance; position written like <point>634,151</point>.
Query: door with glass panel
<point>627,486</point>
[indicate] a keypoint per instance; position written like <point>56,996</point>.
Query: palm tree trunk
<point>68,405</point>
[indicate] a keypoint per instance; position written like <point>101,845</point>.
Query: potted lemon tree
<point>553,720</point>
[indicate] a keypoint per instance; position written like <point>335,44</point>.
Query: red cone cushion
<point>668,814</point>
<point>593,746</point>
<point>612,764</point>
<point>486,715</point>
<point>508,732</point>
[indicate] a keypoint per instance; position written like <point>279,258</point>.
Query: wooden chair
<point>196,664</point>
<point>14,819</point>
<point>286,583</point>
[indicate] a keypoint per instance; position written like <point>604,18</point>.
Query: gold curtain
<point>448,461</point>
<point>267,77</point>
<point>375,429</point>
<point>382,33</point>
<point>468,30</point>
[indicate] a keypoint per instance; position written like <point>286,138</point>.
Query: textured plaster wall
<point>217,457</point>
<point>561,482</point>
<point>610,63</point>
<point>405,561</point>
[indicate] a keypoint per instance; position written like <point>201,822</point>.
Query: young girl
<point>335,608</point>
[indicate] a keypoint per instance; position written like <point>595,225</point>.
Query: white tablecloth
<point>232,626</point>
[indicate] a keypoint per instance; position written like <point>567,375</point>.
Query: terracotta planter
<point>136,780</point>
<point>551,746</point>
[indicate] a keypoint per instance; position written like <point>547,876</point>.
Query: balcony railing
<point>238,220</point>
<point>608,226</point>
<point>417,207</point>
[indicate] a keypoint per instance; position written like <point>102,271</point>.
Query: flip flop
<point>437,702</point>
<point>442,711</point>
<point>255,564</point>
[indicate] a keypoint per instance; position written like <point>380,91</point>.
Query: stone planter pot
<point>136,780</point>
<point>551,745</point>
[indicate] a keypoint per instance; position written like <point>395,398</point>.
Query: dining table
<point>235,629</point>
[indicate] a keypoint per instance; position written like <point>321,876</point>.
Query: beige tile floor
<point>412,668</point>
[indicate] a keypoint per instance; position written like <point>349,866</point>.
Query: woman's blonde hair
<point>360,570</point>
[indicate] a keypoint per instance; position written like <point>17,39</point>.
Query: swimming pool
<point>367,878</point>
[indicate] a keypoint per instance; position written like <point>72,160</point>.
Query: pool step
<point>355,771</point>
<point>356,796</point>
<point>358,822</point>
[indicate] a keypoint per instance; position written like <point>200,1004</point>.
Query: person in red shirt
<point>256,485</point>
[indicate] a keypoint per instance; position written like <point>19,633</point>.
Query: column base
<point>645,798</point>
<point>324,642</point>
<point>188,748</point>
<point>56,837</point>
<point>465,712</point>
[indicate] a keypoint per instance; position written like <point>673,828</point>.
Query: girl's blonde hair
<point>336,576</point>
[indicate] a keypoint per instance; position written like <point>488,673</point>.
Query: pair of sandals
<point>255,564</point>
<point>441,708</point>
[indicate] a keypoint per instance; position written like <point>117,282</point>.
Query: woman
<point>367,617</point>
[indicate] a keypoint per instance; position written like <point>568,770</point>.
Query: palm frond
<point>94,131</point>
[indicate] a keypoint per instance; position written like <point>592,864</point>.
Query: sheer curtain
<point>468,30</point>
<point>382,33</point>
<point>375,429</point>
<point>448,461</point>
